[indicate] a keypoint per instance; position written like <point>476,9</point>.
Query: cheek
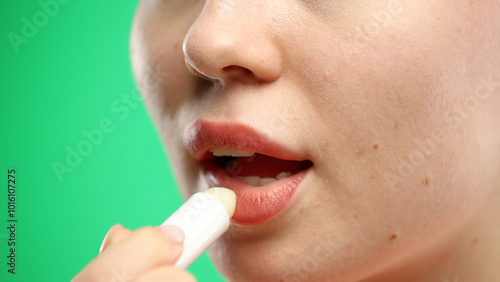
<point>162,72</point>
<point>411,82</point>
<point>398,122</point>
<point>157,36</point>
<point>162,76</point>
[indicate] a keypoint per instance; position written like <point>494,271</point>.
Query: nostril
<point>238,73</point>
<point>237,69</point>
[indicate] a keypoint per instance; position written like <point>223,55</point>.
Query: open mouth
<point>265,175</point>
<point>252,168</point>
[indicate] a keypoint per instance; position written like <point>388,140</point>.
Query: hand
<point>147,254</point>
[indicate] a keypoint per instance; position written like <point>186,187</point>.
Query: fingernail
<point>103,244</point>
<point>173,233</point>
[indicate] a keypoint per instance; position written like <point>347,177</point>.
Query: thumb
<point>174,235</point>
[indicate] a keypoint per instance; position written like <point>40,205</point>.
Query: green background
<point>60,82</point>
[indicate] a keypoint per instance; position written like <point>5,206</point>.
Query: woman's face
<point>394,102</point>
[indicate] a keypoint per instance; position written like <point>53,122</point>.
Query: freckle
<point>426,181</point>
<point>356,216</point>
<point>474,241</point>
<point>375,147</point>
<point>394,237</point>
<point>396,126</point>
<point>176,45</point>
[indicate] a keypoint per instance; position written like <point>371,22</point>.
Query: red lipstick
<point>255,204</point>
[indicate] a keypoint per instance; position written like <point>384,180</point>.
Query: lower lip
<point>256,205</point>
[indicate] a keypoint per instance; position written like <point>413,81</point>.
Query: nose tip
<point>228,46</point>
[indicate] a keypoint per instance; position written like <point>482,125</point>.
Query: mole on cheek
<point>394,237</point>
<point>426,181</point>
<point>474,241</point>
<point>375,147</point>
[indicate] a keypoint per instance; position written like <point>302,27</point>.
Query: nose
<point>231,41</point>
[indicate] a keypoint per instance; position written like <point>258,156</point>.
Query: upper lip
<point>202,136</point>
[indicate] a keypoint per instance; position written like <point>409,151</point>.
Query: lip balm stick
<point>204,217</point>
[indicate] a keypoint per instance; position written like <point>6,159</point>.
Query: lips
<point>264,175</point>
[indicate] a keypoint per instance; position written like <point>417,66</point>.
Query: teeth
<point>265,181</point>
<point>227,151</point>
<point>250,180</point>
<point>257,181</point>
<point>283,175</point>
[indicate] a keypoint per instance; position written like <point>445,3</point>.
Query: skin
<point>147,254</point>
<point>397,104</point>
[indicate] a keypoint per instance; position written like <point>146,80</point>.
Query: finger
<point>115,234</point>
<point>141,251</point>
<point>166,273</point>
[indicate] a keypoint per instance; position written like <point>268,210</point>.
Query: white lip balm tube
<point>204,217</point>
